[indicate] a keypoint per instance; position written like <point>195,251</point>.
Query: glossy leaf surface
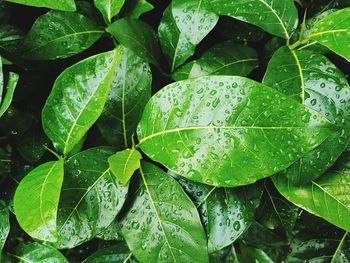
<point>163,224</point>
<point>129,93</point>
<point>91,197</point>
<point>64,5</point>
<point>109,8</point>
<point>77,99</point>
<point>136,8</point>
<point>11,39</point>
<point>226,58</point>
<point>276,17</point>
<point>9,91</point>
<point>4,225</point>
<point>227,131</point>
<point>313,80</point>
<point>36,200</point>
<point>333,32</point>
<point>35,252</point>
<point>58,34</point>
<point>194,19</point>
<point>119,253</point>
<point>138,37</point>
<point>123,164</point>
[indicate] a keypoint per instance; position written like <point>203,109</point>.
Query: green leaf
<point>109,8</point>
<point>4,224</point>
<point>36,201</point>
<point>119,253</point>
<point>77,99</point>
<point>10,90</point>
<point>123,164</point>
<point>175,46</point>
<point>310,78</point>
<point>138,37</point>
<point>163,224</point>
<point>326,197</point>
<point>227,131</point>
<point>230,213</point>
<point>226,58</point>
<point>64,5</point>
<point>333,32</point>
<point>112,232</point>
<point>58,34</point>
<point>194,19</point>
<point>35,252</point>
<point>250,254</point>
<point>342,254</point>
<point>11,39</point>
<point>91,197</point>
<point>1,81</point>
<point>130,91</point>
<point>136,8</point>
<point>279,18</point>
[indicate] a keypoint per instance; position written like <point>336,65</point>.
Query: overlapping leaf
<point>35,252</point>
<point>119,253</point>
<point>64,5</point>
<point>109,8</point>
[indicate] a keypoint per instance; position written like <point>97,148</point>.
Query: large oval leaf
<point>58,34</point>
<point>77,99</point>
<point>65,5</point>
<point>226,58</point>
<point>4,224</point>
<point>109,8</point>
<point>333,32</point>
<point>227,131</point>
<point>313,80</point>
<point>163,224</point>
<point>35,252</point>
<point>91,197</point>
<point>279,18</point>
<point>129,93</point>
<point>119,253</point>
<point>36,201</point>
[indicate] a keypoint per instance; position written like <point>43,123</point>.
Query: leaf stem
<point>53,152</point>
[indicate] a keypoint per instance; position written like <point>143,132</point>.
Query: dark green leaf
<point>64,5</point>
<point>112,232</point>
<point>91,197</point>
<point>4,224</point>
<point>119,253</point>
<point>109,8</point>
<point>226,58</point>
<point>227,131</point>
<point>36,201</point>
<point>58,34</point>
<point>9,91</point>
<point>36,252</point>
<point>342,254</point>
<point>163,224</point>
<point>136,8</point>
<point>130,91</point>
<point>77,99</point>
<point>11,39</point>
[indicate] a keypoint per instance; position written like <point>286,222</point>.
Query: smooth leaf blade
<point>163,224</point>
<point>109,8</point>
<point>4,224</point>
<point>257,131</point>
<point>123,164</point>
<point>77,99</point>
<point>117,254</point>
<point>333,32</point>
<point>36,201</point>
<point>64,5</point>
<point>35,252</point>
<point>10,90</point>
<point>58,34</point>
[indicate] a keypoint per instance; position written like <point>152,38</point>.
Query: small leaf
<point>64,5</point>
<point>58,34</point>
<point>109,8</point>
<point>163,224</point>
<point>91,197</point>
<point>4,225</point>
<point>10,90</point>
<point>119,253</point>
<point>138,37</point>
<point>35,252</point>
<point>123,164</point>
<point>136,8</point>
<point>77,99</point>
<point>333,32</point>
<point>36,201</point>
<point>226,58</point>
<point>227,131</point>
<point>279,18</point>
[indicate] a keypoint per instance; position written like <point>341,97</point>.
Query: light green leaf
<point>310,78</point>
<point>36,201</point>
<point>227,131</point>
<point>91,197</point>
<point>163,224</point>
<point>109,8</point>
<point>10,90</point>
<point>35,252</point>
<point>137,36</point>
<point>130,91</point>
<point>279,18</point>
<point>175,46</point>
<point>123,164</point>
<point>333,32</point>
<point>193,19</point>
<point>77,99</point>
<point>64,5</point>
<point>226,58</point>
<point>4,224</point>
<point>58,34</point>
<point>326,197</point>
<point>138,7</point>
<point>119,253</point>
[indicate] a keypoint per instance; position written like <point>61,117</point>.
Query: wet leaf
<point>11,39</point>
<point>4,224</point>
<point>64,5</point>
<point>119,253</point>
<point>9,91</point>
<point>109,8</point>
<point>35,252</point>
<point>227,131</point>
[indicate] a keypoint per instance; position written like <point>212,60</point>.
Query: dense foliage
<point>174,131</point>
